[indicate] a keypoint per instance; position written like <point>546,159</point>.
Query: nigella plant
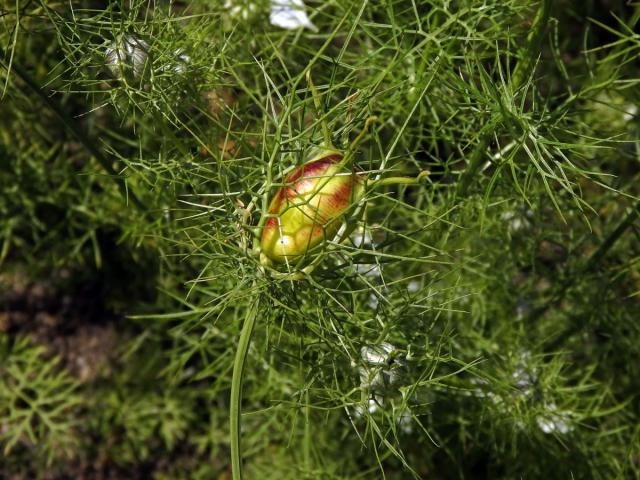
<point>310,208</point>
<point>171,185</point>
<point>318,202</point>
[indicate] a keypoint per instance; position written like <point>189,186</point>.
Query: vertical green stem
<point>525,64</point>
<point>236,389</point>
<point>477,157</point>
<point>521,72</point>
<point>307,435</point>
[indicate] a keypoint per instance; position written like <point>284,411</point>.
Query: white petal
<point>630,111</point>
<point>368,270</point>
<point>378,354</point>
<point>554,420</point>
<point>405,422</point>
<point>290,14</point>
<point>362,238</point>
<point>128,50</point>
<point>373,301</point>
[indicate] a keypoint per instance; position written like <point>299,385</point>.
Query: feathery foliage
<point>481,324</point>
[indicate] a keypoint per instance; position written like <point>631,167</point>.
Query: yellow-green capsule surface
<point>309,209</point>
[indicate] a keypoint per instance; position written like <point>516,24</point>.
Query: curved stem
<point>307,434</point>
<point>399,180</point>
<point>236,389</point>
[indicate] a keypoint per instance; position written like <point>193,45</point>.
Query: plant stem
<point>521,72</point>
<point>235,430</point>
<point>398,180</point>
<point>73,127</point>
<point>525,64</point>
<point>477,156</point>
<point>307,435</point>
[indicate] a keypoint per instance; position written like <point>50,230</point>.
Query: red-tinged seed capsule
<point>309,209</point>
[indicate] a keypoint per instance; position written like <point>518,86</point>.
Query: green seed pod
<point>310,208</point>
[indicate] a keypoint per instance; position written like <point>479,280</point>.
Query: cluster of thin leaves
<point>478,325</point>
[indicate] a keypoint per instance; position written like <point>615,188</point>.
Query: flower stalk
<point>235,402</point>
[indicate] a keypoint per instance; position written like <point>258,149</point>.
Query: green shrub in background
<point>482,324</point>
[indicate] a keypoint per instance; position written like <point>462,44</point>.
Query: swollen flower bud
<point>309,209</point>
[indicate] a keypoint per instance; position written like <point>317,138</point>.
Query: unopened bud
<point>310,208</point>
